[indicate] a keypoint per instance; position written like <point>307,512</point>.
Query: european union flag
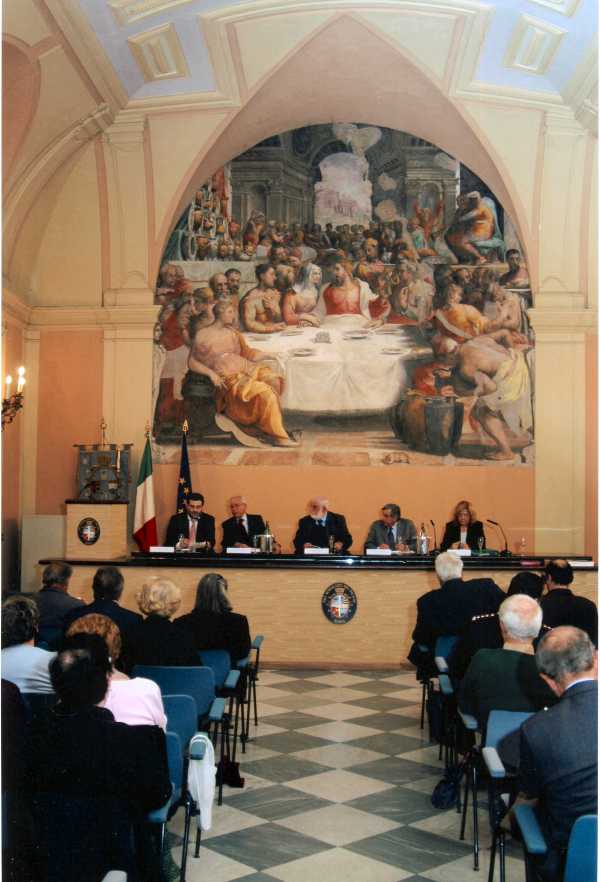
<point>184,484</point>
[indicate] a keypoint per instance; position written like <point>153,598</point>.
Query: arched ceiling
<point>210,50</point>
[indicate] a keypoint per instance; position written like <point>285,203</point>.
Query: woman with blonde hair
<point>157,642</point>
<point>464,530</point>
<point>137,702</point>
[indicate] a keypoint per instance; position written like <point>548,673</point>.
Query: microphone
<point>506,552</point>
<point>434,536</point>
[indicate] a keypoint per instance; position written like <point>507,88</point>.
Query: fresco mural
<point>345,294</point>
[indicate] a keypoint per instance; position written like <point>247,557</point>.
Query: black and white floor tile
<point>339,777</point>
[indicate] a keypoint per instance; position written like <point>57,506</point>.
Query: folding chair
<point>200,684</point>
<point>250,665</point>
<point>163,814</point>
<point>227,684</point>
<point>582,855</point>
<point>500,724</point>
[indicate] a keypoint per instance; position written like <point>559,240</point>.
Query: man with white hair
<point>321,527</point>
<point>559,749</point>
<point>239,530</point>
<point>447,609</point>
<point>507,678</point>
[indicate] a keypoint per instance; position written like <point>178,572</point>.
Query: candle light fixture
<point>12,403</point>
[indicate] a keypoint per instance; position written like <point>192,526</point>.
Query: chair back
<point>197,682</point>
<point>37,702</point>
<point>175,762</point>
<point>444,646</point>
<point>502,723</point>
<point>181,717</point>
<point>582,857</point>
<point>219,661</point>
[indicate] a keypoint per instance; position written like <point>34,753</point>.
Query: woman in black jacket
<point>212,624</point>
<point>156,641</point>
<point>463,531</point>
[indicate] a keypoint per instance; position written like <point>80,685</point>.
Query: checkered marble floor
<point>339,777</point>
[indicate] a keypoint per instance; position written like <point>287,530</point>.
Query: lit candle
<point>8,381</point>
<point>20,379</point>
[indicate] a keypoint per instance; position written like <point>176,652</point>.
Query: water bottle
<point>422,541</point>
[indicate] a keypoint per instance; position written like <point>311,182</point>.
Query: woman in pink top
<point>138,701</point>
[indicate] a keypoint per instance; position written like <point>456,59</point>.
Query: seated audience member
<point>157,641</point>
<point>212,624</point>
<point>107,588</point>
<point>507,678</point>
<point>483,631</point>
<point>444,611</point>
<point>463,531</point>
<point>15,814</point>
<point>24,664</point>
<point>559,748</point>
<point>561,607</point>
<point>54,602</point>
<point>316,528</point>
<point>137,702</point>
<point>77,749</point>
<point>392,531</point>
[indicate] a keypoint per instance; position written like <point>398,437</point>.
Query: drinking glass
<point>480,543</point>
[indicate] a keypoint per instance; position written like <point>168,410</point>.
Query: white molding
<point>69,317</point>
<point>128,11</point>
<point>15,308</point>
<point>158,54</point>
<point>31,359</point>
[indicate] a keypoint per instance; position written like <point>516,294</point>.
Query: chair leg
<point>198,839</point>
<point>492,857</point>
<point>475,819</point>
<point>423,695</point>
<point>502,852</point>
<point>222,764</point>
<point>465,801</point>
<point>254,679</point>
<point>186,837</point>
<point>236,718</point>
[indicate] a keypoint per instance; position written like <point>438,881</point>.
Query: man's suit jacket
<point>179,526</point>
<point>446,610</point>
<point>311,531</point>
<point>559,760</point>
<point>561,607</point>
<point>452,535</point>
<point>232,532</point>
<point>54,605</point>
<point>126,620</point>
<point>406,534</point>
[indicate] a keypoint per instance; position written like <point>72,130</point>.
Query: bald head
<point>238,506</point>
<point>317,506</point>
<point>565,655</point>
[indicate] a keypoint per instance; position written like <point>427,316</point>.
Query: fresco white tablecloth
<point>345,376</point>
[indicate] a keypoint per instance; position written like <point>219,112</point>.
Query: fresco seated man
<point>503,309</point>
<point>247,391</point>
<point>517,275</point>
<point>346,300</point>
<point>474,222</point>
<point>260,308</point>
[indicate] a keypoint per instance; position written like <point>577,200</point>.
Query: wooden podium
<point>96,530</point>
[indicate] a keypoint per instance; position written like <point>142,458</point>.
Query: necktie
<point>242,528</point>
<point>192,534</point>
<point>391,541</point>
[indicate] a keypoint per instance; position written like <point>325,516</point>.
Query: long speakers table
<point>283,595</point>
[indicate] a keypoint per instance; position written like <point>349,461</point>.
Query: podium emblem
<point>88,531</point>
<point>339,603</point>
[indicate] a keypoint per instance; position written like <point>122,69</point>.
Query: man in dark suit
<point>239,530</point>
<point>559,747</point>
<point>561,607</point>
<point>192,525</point>
<point>54,602</point>
<point>392,531</point>
<point>445,611</point>
<point>107,587</point>
<point>315,529</point>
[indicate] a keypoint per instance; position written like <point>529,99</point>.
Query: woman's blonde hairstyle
<point>94,623</point>
<point>159,596</point>
<point>464,505</point>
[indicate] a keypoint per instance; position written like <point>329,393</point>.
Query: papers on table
<point>315,550</point>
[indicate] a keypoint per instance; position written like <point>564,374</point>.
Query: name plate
<point>581,564</point>
<point>462,552</point>
<point>316,551</point>
<point>379,552</point>
<point>161,549</point>
<point>232,550</point>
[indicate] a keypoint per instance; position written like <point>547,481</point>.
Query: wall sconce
<point>12,404</point>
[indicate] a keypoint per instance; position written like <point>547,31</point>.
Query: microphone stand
<point>434,537</point>
<point>506,552</point>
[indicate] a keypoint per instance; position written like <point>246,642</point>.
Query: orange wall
<point>70,410</point>
<point>12,357</point>
<point>591,446</point>
<point>280,494</point>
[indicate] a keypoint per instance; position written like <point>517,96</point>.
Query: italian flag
<point>144,520</point>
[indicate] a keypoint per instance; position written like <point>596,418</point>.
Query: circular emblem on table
<point>88,531</point>
<point>339,603</point>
